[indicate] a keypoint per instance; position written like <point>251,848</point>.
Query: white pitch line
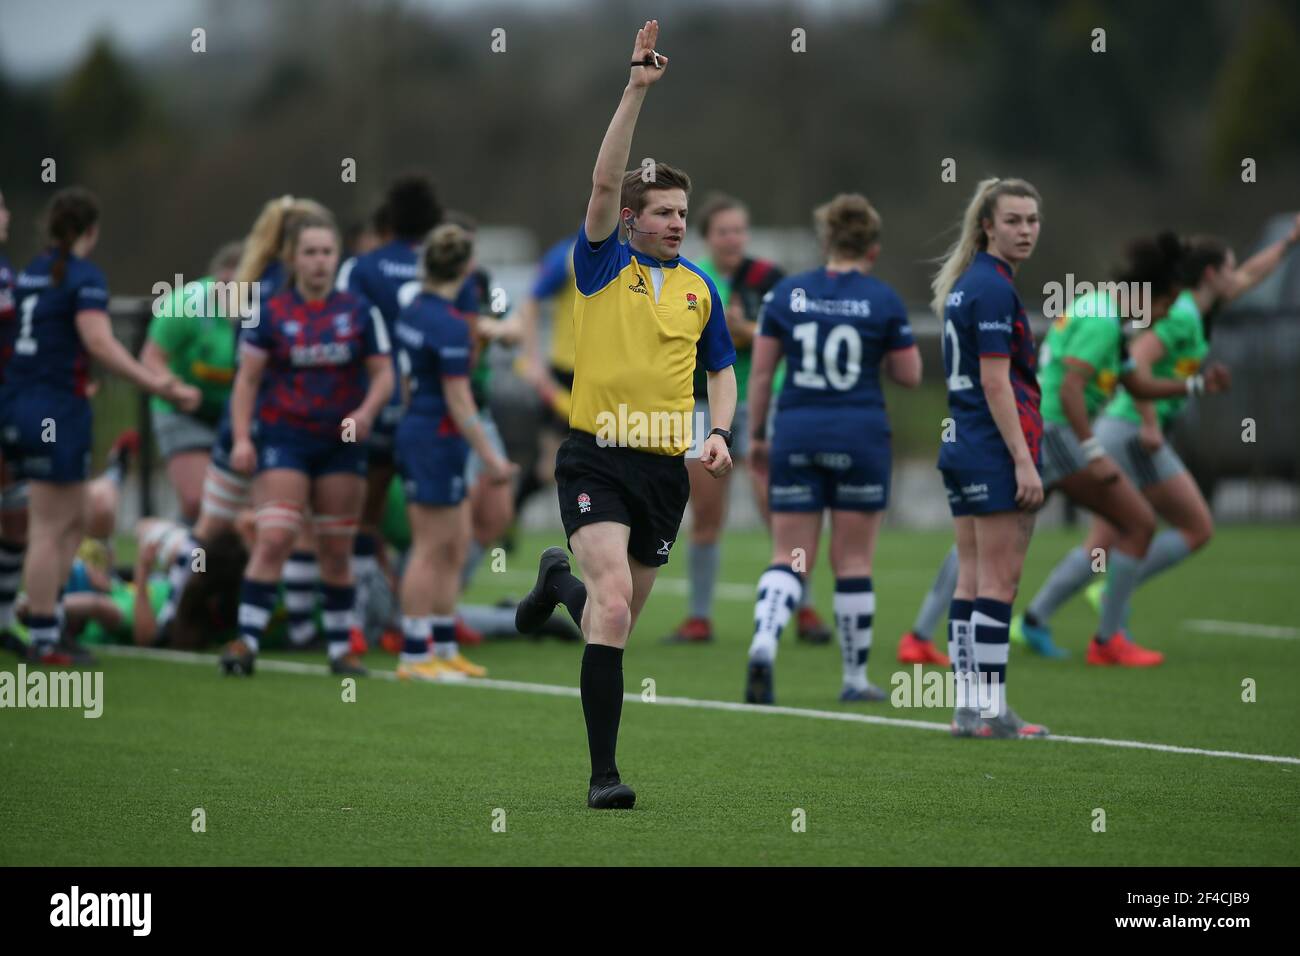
<point>557,690</point>
<point>723,590</point>
<point>1242,629</point>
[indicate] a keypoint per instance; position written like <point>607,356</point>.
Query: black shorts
<point>643,490</point>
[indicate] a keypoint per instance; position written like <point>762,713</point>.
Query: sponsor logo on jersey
<point>320,354</point>
<point>640,285</point>
<point>399,270</point>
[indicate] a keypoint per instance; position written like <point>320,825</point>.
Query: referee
<point>641,317</point>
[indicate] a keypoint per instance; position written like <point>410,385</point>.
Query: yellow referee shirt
<point>635,353</point>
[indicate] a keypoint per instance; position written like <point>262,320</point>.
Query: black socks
<point>602,705</point>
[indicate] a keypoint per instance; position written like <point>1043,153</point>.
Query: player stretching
<point>990,468</point>
<point>62,302</point>
<point>434,439</point>
<point>838,326</point>
<point>642,315</point>
<point>314,372</point>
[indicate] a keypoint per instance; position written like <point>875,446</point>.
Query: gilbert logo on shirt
<point>690,302</point>
<point>640,285</point>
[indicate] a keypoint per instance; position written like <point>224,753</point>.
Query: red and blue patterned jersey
<point>8,315</point>
<point>437,340</point>
<point>985,317</point>
<point>316,358</point>
<point>47,349</point>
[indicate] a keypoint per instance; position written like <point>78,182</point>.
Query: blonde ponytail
<point>266,240</point>
<point>972,238</point>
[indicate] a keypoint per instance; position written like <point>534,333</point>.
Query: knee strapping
<point>335,525</point>
<point>281,515</point>
<point>224,493</point>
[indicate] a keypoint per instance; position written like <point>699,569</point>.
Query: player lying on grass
<point>839,328</point>
<point>642,317</point>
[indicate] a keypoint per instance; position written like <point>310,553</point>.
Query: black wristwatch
<point>726,435</point>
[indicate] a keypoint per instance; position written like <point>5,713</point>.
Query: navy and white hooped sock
<point>338,614</point>
<point>178,575</point>
<point>855,609</point>
<point>44,632</point>
<point>444,637</point>
<point>961,648</point>
<point>11,579</point>
<point>256,601</point>
<point>779,590</point>
<point>301,576</point>
<point>365,563</point>
<point>991,621</point>
<point>416,635</point>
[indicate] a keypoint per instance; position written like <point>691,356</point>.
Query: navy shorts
<point>981,491</point>
<point>45,434</point>
<point>432,466</point>
<point>843,479</point>
<point>314,455</point>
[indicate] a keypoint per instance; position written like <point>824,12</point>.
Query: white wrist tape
<point>1092,448</point>
<point>1195,384</point>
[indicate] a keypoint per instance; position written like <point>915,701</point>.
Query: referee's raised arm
<point>611,161</point>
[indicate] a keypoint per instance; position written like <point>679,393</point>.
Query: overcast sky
<point>41,37</point>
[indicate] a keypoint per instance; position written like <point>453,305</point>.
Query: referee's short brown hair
<point>635,186</point>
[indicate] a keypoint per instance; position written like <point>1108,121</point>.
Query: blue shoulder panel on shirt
<point>596,267</point>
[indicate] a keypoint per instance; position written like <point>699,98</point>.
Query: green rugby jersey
<point>1089,331</point>
<point>200,347</point>
<point>1182,333</point>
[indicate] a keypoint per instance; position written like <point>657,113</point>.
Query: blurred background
<point>183,148</point>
